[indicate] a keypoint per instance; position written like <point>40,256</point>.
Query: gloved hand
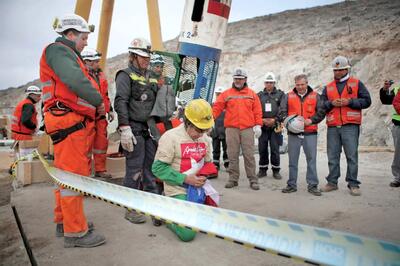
<point>128,140</point>
<point>257,131</point>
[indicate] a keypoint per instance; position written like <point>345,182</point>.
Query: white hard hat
<point>219,89</point>
<point>33,90</point>
<point>239,73</point>
<point>140,46</point>
<point>90,54</point>
<point>340,62</point>
<point>294,124</point>
<point>72,21</point>
<point>270,77</point>
<point>157,59</point>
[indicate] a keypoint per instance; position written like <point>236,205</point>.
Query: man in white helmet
<point>344,98</point>
<point>100,145</point>
<point>270,98</point>
<point>243,120</point>
<point>71,103</point>
<point>136,94</point>
<point>219,137</point>
<point>24,120</point>
<point>307,109</point>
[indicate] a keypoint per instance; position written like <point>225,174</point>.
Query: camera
<point>391,82</point>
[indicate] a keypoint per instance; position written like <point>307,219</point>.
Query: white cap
<point>270,77</point>
<point>340,62</point>
<point>219,89</point>
<point>239,73</point>
<point>72,21</point>
<point>140,46</point>
<point>90,54</point>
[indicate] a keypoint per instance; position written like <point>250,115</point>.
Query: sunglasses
<point>199,130</point>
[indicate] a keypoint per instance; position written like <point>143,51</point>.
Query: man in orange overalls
<point>71,103</point>
<point>92,58</point>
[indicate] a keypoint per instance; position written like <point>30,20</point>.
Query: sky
<point>28,27</point>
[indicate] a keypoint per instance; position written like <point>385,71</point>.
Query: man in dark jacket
<point>218,137</point>
<point>304,103</point>
<point>134,100</point>
<point>270,99</point>
<point>344,98</point>
<point>387,97</point>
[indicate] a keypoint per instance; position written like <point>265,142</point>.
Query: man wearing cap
<point>71,103</point>
<point>304,104</point>
<point>388,96</point>
<point>243,120</point>
<point>270,99</point>
<point>344,98</point>
<point>135,96</point>
<point>24,119</point>
<point>100,145</point>
<point>218,137</point>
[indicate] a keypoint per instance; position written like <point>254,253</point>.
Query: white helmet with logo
<point>239,73</point>
<point>140,46</point>
<point>72,21</point>
<point>270,77</point>
<point>90,54</point>
<point>33,90</point>
<point>340,62</point>
<point>294,124</point>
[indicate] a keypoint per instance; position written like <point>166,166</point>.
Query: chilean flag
<point>219,8</point>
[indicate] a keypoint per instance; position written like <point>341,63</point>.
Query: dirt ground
<point>375,214</point>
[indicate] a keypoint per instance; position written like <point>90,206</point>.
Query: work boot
<point>395,183</point>
<point>156,222</point>
<point>262,173</point>
<point>355,191</point>
<point>226,165</point>
<point>216,165</point>
<point>231,184</point>
<point>135,217</point>
<point>102,175</point>
<point>276,175</point>
<point>89,240</point>
<point>60,229</point>
<point>254,185</point>
<point>289,189</point>
<point>315,191</point>
<point>329,187</point>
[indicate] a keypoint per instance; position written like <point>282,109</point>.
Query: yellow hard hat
<point>199,113</point>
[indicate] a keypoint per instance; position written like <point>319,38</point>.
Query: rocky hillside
<point>306,41</point>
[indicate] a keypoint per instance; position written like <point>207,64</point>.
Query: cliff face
<point>306,41</point>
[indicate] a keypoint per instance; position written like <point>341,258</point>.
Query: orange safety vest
<point>57,92</point>
<point>339,116</point>
<point>16,123</point>
<point>161,126</point>
<point>305,109</point>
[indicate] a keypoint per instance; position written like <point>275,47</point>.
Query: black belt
<point>62,134</point>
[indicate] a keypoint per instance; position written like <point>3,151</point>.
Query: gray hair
<point>301,76</point>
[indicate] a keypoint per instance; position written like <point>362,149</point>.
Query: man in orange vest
<point>71,103</point>
<point>243,120</point>
<point>344,98</point>
<point>92,58</point>
<point>304,104</point>
<point>24,119</point>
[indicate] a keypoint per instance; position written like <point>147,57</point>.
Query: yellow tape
<point>300,242</point>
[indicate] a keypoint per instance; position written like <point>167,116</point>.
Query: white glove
<point>128,140</point>
<point>257,131</point>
